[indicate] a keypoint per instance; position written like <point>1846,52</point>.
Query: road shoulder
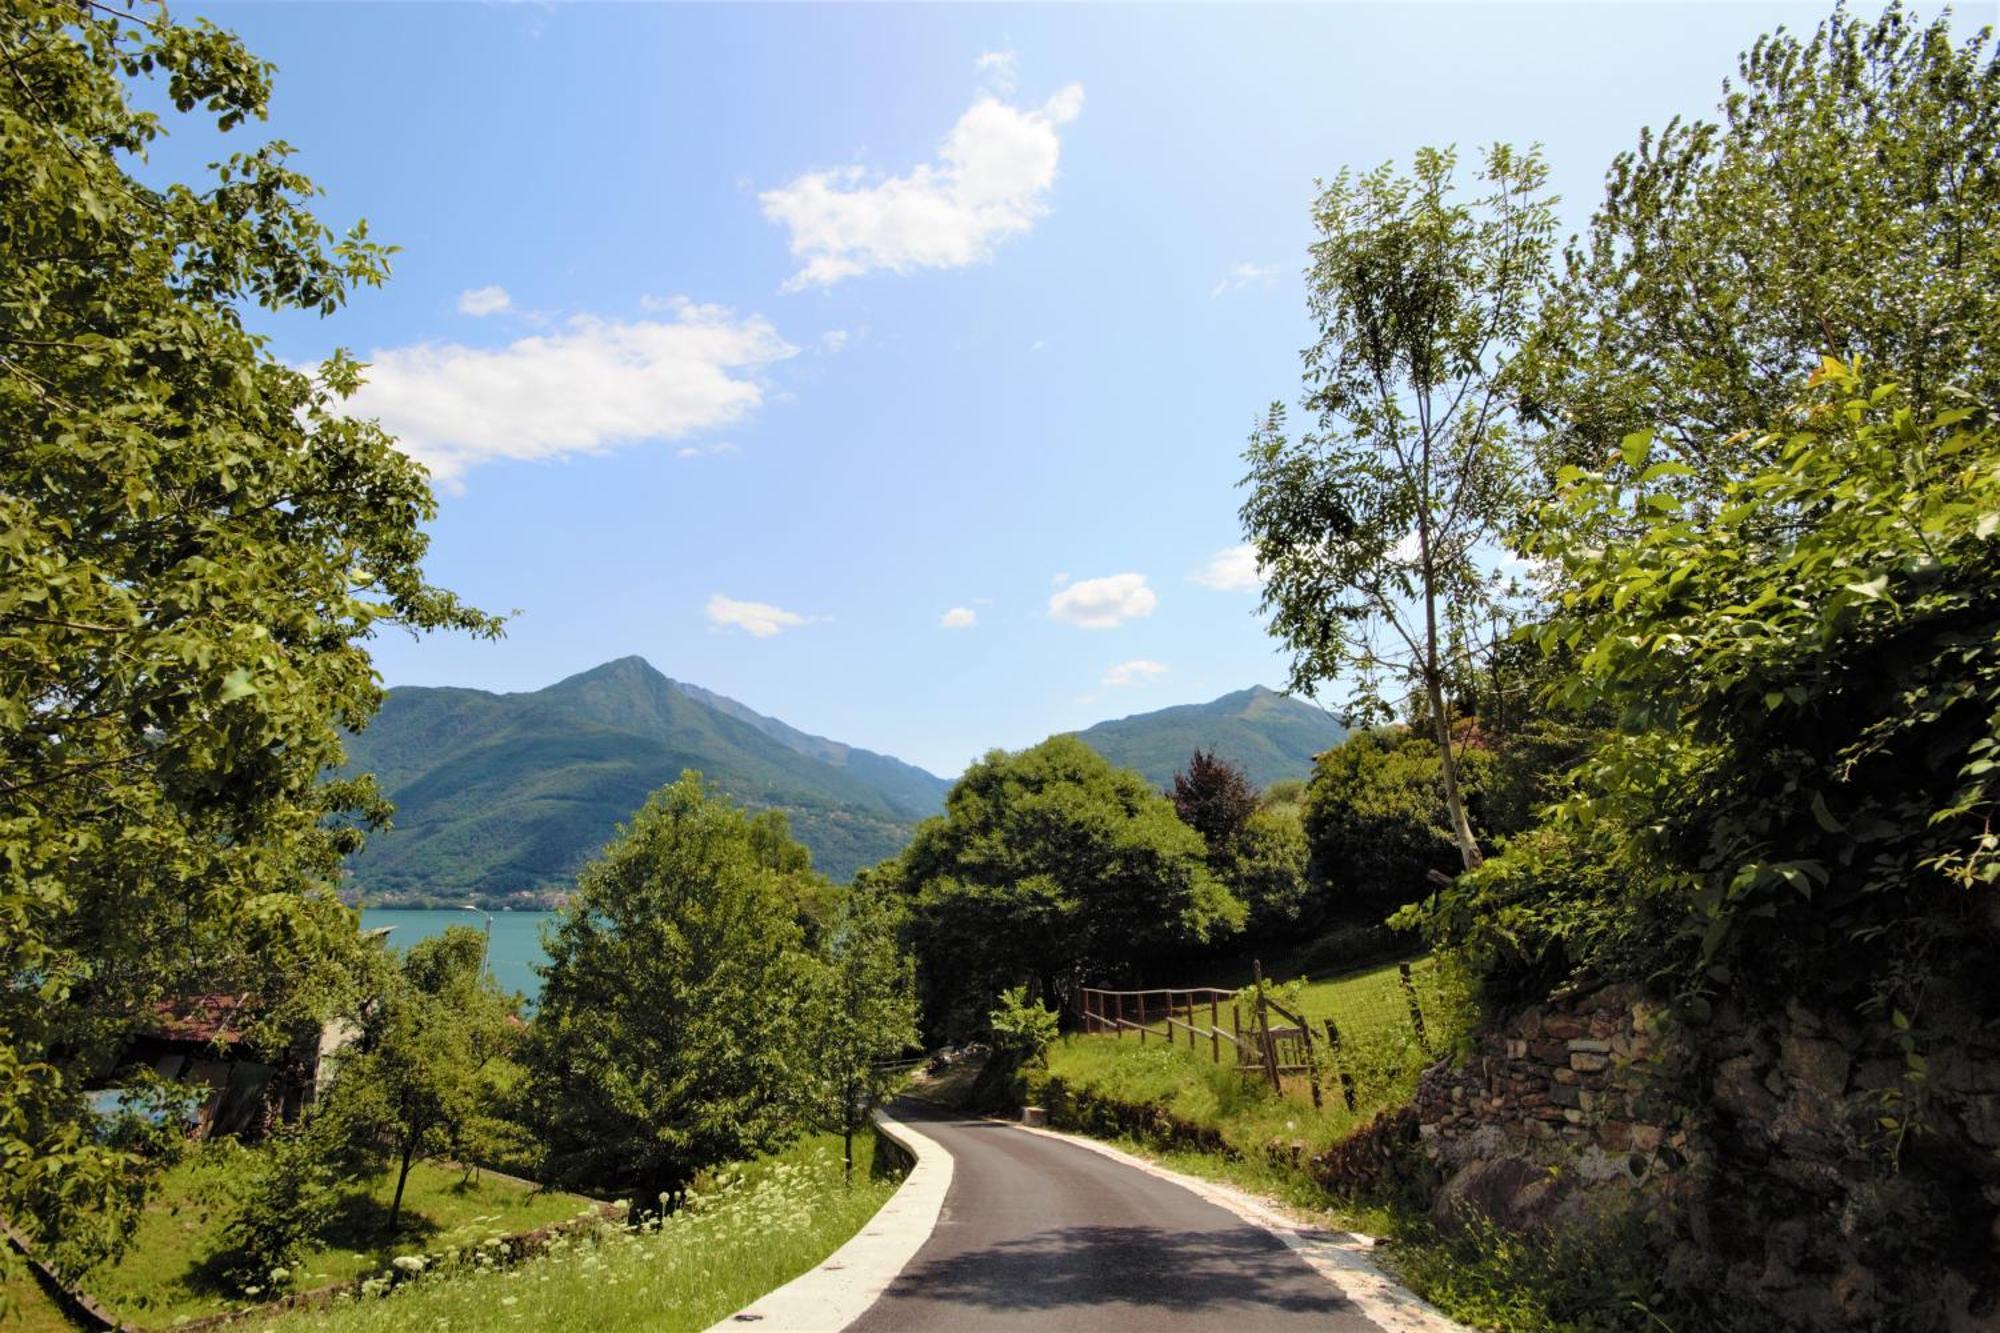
<point>835,1292</point>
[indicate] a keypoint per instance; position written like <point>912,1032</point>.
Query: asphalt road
<point>1038,1233</point>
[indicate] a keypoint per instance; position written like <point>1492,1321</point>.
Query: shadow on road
<point>1137,1265</point>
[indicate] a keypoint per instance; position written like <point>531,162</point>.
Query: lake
<point>516,948</point>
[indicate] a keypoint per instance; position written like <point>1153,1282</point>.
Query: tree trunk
<point>402,1179</point>
<point>1454,804</point>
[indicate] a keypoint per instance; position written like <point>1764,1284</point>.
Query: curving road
<point>1038,1233</point>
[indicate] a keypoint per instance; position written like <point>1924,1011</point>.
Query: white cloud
<point>1136,672</point>
<point>1104,603</point>
<point>1003,67</point>
<point>1242,276</point>
<point>758,619</point>
<point>833,340</point>
<point>1061,578</point>
<point>594,386</point>
<point>483,301</point>
<point>959,617</point>
<point>1233,569</point>
<point>994,170</point>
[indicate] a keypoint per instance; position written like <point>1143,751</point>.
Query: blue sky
<point>822,325</point>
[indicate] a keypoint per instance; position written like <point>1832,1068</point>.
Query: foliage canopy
<point>194,546</point>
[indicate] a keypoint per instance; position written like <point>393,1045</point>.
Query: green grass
<point>749,1230</point>
<point>24,1307</point>
<point>1379,1052</point>
<point>170,1271</point>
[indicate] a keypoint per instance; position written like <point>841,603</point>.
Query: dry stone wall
<point>1804,1164</point>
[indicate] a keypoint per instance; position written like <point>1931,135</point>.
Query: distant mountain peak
<point>1270,735</point>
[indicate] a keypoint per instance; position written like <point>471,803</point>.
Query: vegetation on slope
<point>1270,736</point>
<point>175,1266</point>
<point>503,797</point>
<point>746,1230</point>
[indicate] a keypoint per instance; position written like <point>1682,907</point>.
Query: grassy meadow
<point>172,1269</point>
<point>747,1230</point>
<point>1379,1052</point>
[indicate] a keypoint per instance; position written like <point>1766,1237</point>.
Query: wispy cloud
<point>1002,67</point>
<point>1243,275</point>
<point>990,181</point>
<point>1103,603</point>
<point>760,620</point>
<point>1136,672</point>
<point>1232,569</point>
<point>716,450</point>
<point>959,617</point>
<point>597,385</point>
<point>481,301</point>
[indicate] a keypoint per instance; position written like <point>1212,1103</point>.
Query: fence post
<point>1264,1029</point>
<point>1214,1030</point>
<point>1312,1060</point>
<point>1416,1010</point>
<point>1333,1053</point>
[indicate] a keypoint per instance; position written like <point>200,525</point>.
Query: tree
<point>1375,816</point>
<point>1271,873</point>
<point>195,544</point>
<point>1377,530</point>
<point>1214,798</point>
<point>670,1034</point>
<point>866,1012</point>
<point>416,1083</point>
<point>1048,861</point>
<point>1843,203</point>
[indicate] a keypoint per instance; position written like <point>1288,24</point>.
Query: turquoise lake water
<point>516,948</point>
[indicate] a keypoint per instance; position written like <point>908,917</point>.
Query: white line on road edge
<point>1338,1256</point>
<point>829,1297</point>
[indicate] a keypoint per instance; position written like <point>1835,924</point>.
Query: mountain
<point>505,796</point>
<point>1270,735</point>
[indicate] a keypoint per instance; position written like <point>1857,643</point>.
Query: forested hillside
<point>503,795</point>
<point>1271,736</point>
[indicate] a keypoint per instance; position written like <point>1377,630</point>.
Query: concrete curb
<point>1341,1257</point>
<point>833,1295</point>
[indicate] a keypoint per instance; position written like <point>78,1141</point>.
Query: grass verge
<point>171,1271</point>
<point>747,1230</point>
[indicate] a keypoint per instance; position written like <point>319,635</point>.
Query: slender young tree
<point>867,1010</point>
<point>1378,530</point>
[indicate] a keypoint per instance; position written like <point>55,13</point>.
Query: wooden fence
<point>1264,1049</point>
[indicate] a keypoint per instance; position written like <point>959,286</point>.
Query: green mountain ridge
<point>1271,735</point>
<point>502,798</point>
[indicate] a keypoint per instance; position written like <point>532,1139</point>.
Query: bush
<point>1022,1029</point>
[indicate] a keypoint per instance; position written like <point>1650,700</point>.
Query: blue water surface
<point>515,951</point>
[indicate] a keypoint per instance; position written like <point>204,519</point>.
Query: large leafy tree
<point>1378,528</point>
<point>1047,861</point>
<point>672,1032</point>
<point>1843,202</point>
<point>1375,816</point>
<point>195,545</point>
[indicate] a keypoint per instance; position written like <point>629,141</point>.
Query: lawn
<point>24,1308</point>
<point>170,1270</point>
<point>1379,1052</point>
<point>748,1230</point>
